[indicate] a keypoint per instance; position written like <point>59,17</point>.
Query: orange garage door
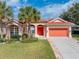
<point>58,32</point>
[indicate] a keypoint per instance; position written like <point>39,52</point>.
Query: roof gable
<point>13,23</point>
<point>58,21</point>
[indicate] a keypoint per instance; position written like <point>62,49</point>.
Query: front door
<point>40,30</point>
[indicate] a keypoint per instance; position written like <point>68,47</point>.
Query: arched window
<point>14,30</point>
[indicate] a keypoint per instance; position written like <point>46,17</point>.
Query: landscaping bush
<point>2,39</point>
<point>75,35</point>
<point>24,36</point>
<point>75,32</point>
<point>15,37</point>
<point>29,40</point>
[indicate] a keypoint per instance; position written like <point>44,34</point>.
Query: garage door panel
<point>58,32</point>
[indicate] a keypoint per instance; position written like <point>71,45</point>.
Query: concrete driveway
<point>67,47</point>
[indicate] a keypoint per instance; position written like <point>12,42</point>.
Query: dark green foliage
<point>29,14</point>
<point>15,37</point>
<point>75,32</point>
<point>1,40</point>
<point>29,40</point>
<point>72,14</point>
<point>24,36</point>
<point>5,11</point>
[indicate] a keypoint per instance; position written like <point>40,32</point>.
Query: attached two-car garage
<point>59,28</point>
<point>59,32</point>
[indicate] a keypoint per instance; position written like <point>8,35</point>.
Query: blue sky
<point>48,8</point>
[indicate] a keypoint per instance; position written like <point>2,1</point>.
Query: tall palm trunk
<point>29,30</point>
<point>1,31</point>
<point>24,30</point>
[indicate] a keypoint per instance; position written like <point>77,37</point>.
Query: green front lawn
<point>76,36</point>
<point>32,50</point>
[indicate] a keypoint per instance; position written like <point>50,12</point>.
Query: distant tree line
<point>72,14</point>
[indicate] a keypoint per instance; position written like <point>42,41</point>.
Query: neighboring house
<point>45,29</point>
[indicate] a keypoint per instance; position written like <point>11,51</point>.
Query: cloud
<point>1,0</point>
<point>15,4</point>
<point>50,10</point>
<point>12,2</point>
<point>54,10</point>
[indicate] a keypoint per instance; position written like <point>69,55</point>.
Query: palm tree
<point>9,12</point>
<point>29,14</point>
<point>5,12</point>
<point>2,8</point>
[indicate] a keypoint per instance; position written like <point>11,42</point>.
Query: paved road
<point>67,47</point>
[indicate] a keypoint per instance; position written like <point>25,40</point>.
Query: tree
<point>5,12</point>
<point>28,14</point>
<point>72,14</point>
<point>9,12</point>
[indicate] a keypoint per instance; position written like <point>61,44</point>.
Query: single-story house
<point>53,28</point>
<point>45,29</point>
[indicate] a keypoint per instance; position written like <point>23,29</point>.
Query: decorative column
<point>35,30</point>
<point>20,32</point>
<point>70,32</point>
<point>47,32</point>
<point>7,33</point>
<point>44,31</point>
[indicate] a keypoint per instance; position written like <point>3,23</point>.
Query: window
<point>14,31</point>
<point>32,29</point>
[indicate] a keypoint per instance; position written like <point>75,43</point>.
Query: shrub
<point>25,36</point>
<point>29,40</point>
<point>16,37</point>
<point>2,39</point>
